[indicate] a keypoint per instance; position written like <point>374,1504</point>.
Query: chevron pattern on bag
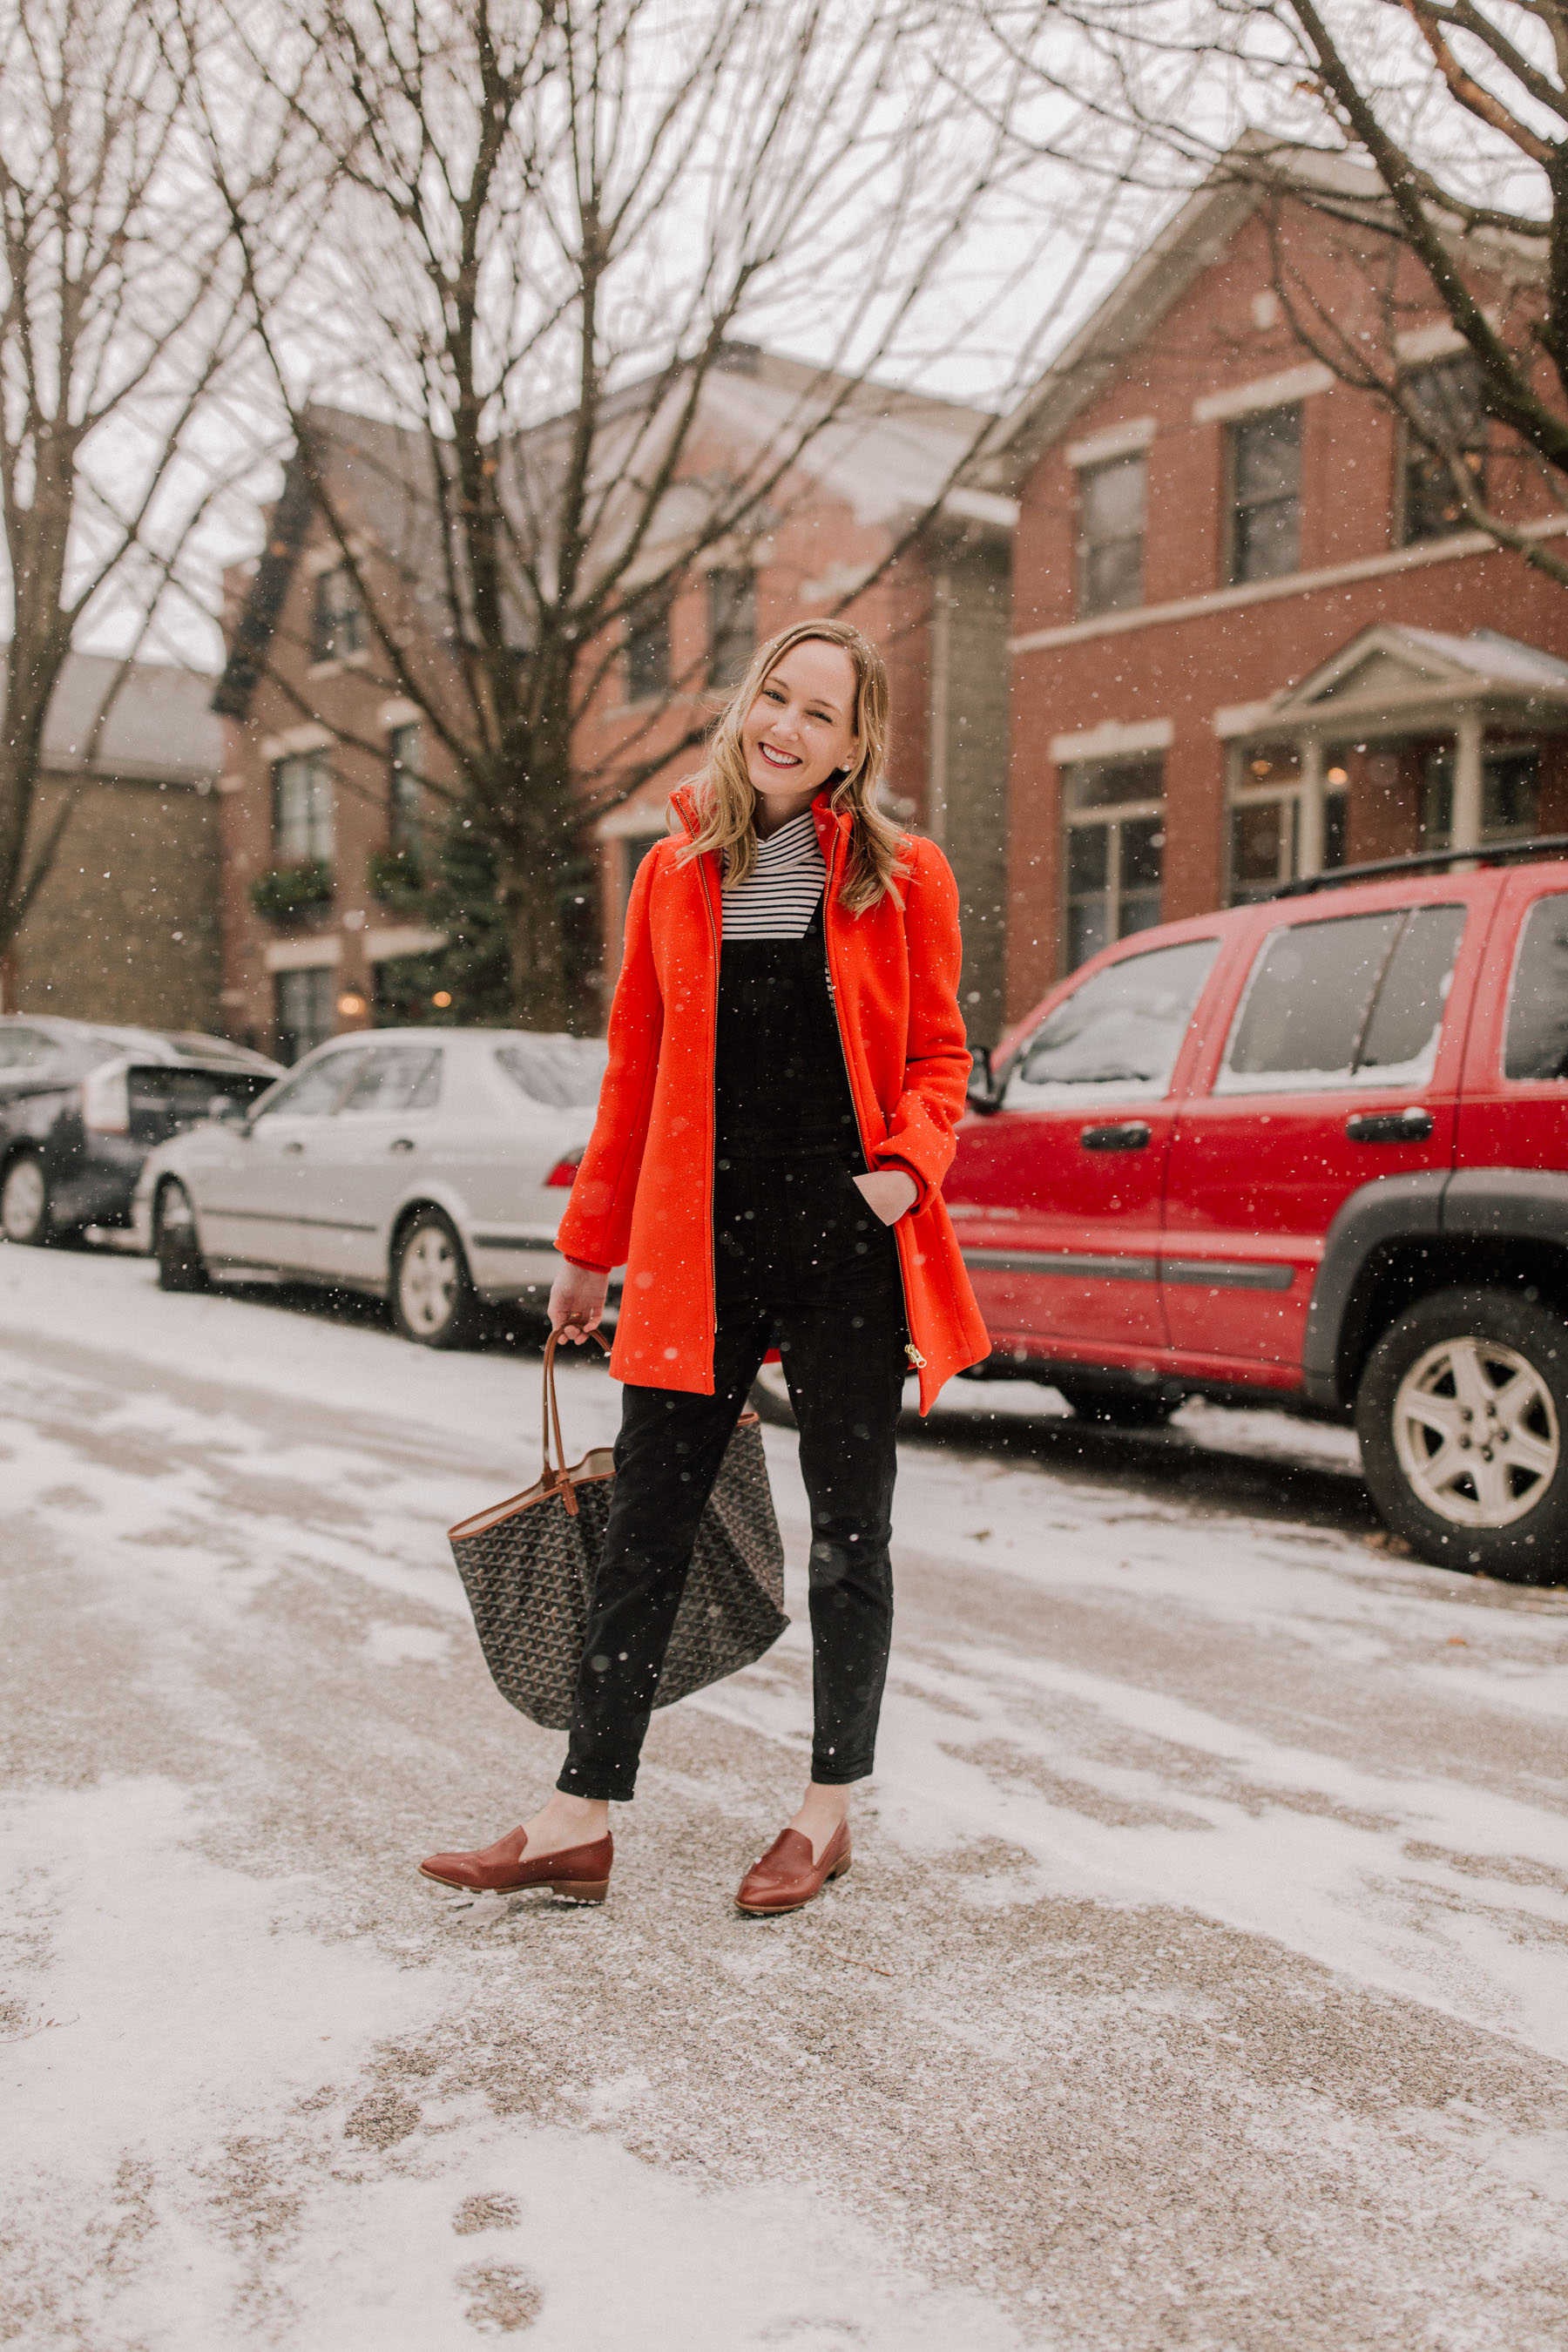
<point>528,1566</point>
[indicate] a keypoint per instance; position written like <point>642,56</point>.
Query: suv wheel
<point>181,1265</point>
<point>25,1201</point>
<point>1463,1419</point>
<point>1118,1407</point>
<point>433,1298</point>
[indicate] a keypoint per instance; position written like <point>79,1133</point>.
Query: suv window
<point>1120,1031</point>
<point>1355,1001</point>
<point>563,1073</point>
<point>1537,1045</point>
<point>315,1092</point>
<point>395,1079</point>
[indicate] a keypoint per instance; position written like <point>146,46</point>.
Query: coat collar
<point>829,821</point>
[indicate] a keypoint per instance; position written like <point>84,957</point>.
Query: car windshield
<point>1119,1032</point>
<point>563,1073</point>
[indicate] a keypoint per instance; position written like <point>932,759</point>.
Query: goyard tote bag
<point>528,1566</point>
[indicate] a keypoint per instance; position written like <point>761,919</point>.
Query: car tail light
<point>105,1100</point>
<point>564,1170</point>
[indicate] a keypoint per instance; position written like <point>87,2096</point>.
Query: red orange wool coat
<point>643,1193</point>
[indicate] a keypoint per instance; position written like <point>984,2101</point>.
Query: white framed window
<point>1114,822</point>
<point>1264,820</point>
<point>302,807</point>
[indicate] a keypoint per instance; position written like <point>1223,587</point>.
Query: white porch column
<point>1309,832</point>
<point>1467,827</point>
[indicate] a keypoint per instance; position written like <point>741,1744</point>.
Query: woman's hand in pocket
<point>889,1191</point>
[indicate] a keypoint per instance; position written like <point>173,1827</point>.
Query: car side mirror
<point>224,1108</point>
<point>984,1092</point>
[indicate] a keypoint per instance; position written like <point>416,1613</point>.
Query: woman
<point>786,1066</point>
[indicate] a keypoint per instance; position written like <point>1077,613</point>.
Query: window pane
<point>1307,1003</point>
<point>1111,535</point>
<point>732,625</point>
<point>1261,845</point>
<point>1511,794</point>
<point>396,1078</point>
<point>648,651</point>
<point>1113,783</point>
<point>1123,1027</point>
<point>305,1010</point>
<point>405,790</point>
<point>338,618</point>
<point>1086,931</point>
<point>1336,829</point>
<point>302,807</point>
<point>1447,400</point>
<point>1266,481</point>
<point>1401,1038</point>
<point>1537,1045</point>
<point>1142,845</point>
<point>562,1073</point>
<point>1088,857</point>
<point>1110,577</point>
<point>1268,539</point>
<point>1267,456</point>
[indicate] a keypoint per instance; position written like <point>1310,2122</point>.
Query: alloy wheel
<point>429,1281</point>
<point>1476,1431</point>
<point>23,1201</point>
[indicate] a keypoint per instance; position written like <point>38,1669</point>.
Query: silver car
<point>430,1167</point>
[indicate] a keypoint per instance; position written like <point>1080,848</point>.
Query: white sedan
<point>430,1167</point>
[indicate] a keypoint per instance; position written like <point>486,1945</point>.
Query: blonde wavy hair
<point>727,798</point>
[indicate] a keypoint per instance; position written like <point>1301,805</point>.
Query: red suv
<point>1314,1149</point>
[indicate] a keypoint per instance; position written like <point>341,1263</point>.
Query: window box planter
<point>394,877</point>
<point>288,892</point>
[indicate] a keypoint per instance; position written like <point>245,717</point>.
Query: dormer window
<point>337,620</point>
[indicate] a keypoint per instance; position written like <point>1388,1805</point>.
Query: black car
<point>81,1106</point>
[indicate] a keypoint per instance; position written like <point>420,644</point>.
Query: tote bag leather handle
<point>556,1475</point>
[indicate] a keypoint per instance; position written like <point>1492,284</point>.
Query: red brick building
<point>1251,639</point>
<point>323,767</point>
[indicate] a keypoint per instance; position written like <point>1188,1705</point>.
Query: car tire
<point>433,1297</point>
<point>1118,1407</point>
<point>181,1265</point>
<point>26,1214</point>
<point>1458,1370</point>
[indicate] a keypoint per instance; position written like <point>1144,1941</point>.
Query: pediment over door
<point>1393,671</point>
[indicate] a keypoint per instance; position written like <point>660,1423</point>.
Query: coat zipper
<point>713,1124</point>
<point>916,1361</point>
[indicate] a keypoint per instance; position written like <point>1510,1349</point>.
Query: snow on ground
<point>1198,1982</point>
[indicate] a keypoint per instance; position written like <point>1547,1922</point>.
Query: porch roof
<point>1392,679</point>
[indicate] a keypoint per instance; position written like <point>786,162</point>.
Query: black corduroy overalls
<point>802,1263</point>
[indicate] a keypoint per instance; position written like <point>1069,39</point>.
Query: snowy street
<point>1200,1981</point>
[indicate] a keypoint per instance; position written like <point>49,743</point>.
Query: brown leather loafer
<point>581,1873</point>
<point>786,1877</point>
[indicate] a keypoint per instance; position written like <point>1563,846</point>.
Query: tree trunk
<point>529,891</point>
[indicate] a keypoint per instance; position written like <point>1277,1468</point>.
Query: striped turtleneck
<point>778,897</point>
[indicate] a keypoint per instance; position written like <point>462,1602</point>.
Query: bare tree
<point>1446,167</point>
<point>121,325</point>
<point>553,223</point>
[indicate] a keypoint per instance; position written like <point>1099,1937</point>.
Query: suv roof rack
<point>1428,861</point>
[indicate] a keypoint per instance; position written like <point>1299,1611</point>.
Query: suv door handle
<point>401,1143</point>
<point>1121,1135</point>
<point>1412,1126</point>
<point>295,1145</point>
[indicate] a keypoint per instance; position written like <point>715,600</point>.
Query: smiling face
<point>800,729</point>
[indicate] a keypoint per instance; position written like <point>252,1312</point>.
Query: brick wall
<point>126,928</point>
